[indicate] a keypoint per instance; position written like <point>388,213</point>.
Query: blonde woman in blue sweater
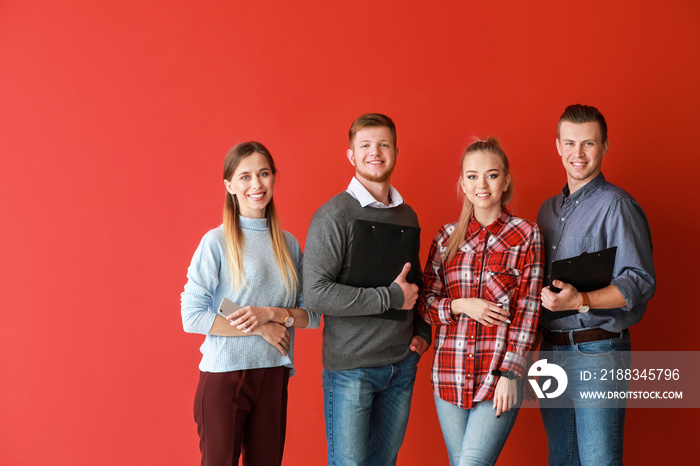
<point>247,357</point>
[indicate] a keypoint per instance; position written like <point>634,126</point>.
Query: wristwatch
<point>584,307</point>
<point>506,374</point>
<point>289,320</point>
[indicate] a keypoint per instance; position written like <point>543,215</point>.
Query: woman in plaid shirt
<point>481,290</point>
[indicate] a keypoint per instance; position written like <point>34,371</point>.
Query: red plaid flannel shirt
<point>501,263</point>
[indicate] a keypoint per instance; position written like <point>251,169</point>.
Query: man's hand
<point>410,291</point>
<point>419,345</point>
<point>567,299</point>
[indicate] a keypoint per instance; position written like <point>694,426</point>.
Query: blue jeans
<point>475,436</point>
<point>366,412</point>
<point>587,431</point>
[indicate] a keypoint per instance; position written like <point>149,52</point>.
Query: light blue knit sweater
<point>209,281</point>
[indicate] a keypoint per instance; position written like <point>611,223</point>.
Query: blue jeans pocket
<point>595,348</point>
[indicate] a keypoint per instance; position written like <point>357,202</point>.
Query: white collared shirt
<point>365,198</point>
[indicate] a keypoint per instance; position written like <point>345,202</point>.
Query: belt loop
<point>570,333</point>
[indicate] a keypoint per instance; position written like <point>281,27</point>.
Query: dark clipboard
<point>378,253</point>
<point>587,272</point>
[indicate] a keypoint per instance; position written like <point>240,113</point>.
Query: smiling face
<point>581,148</point>
<point>484,181</point>
<point>373,154</point>
<point>252,184</point>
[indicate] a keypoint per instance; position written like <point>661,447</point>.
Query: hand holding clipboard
<point>587,272</point>
<point>378,257</point>
<point>410,291</point>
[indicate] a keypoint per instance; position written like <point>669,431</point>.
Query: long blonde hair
<point>492,146</point>
<point>232,224</point>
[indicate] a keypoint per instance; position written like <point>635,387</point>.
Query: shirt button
<point>554,247</point>
<point>562,219</point>
<point>472,337</point>
<point>471,355</point>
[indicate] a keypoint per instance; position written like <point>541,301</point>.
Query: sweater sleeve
<point>325,255</point>
<point>314,317</point>
<point>202,280</point>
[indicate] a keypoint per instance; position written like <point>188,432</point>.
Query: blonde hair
<point>492,146</point>
<point>232,224</point>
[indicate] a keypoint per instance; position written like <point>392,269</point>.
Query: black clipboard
<point>587,272</point>
<point>378,253</point>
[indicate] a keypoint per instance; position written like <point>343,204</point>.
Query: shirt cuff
<point>445,312</point>
<point>514,362</point>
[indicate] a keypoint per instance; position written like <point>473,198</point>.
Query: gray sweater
<point>353,335</point>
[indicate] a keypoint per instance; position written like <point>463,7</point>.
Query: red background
<point>114,121</point>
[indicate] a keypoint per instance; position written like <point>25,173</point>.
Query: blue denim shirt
<point>598,216</point>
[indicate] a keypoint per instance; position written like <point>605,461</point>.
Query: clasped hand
<point>275,334</point>
<point>259,321</point>
<point>247,318</point>
<point>484,312</point>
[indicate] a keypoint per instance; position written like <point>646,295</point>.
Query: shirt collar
<point>474,227</point>
<point>365,198</point>
<point>586,190</point>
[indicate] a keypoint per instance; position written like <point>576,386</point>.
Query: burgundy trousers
<point>242,412</point>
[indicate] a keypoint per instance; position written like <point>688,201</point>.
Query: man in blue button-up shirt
<point>591,214</point>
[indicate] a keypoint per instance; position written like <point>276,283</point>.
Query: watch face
<point>289,321</point>
<point>583,309</point>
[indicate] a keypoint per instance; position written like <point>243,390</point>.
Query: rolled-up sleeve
<point>634,274</point>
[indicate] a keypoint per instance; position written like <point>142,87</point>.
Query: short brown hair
<point>372,120</point>
<point>578,113</point>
